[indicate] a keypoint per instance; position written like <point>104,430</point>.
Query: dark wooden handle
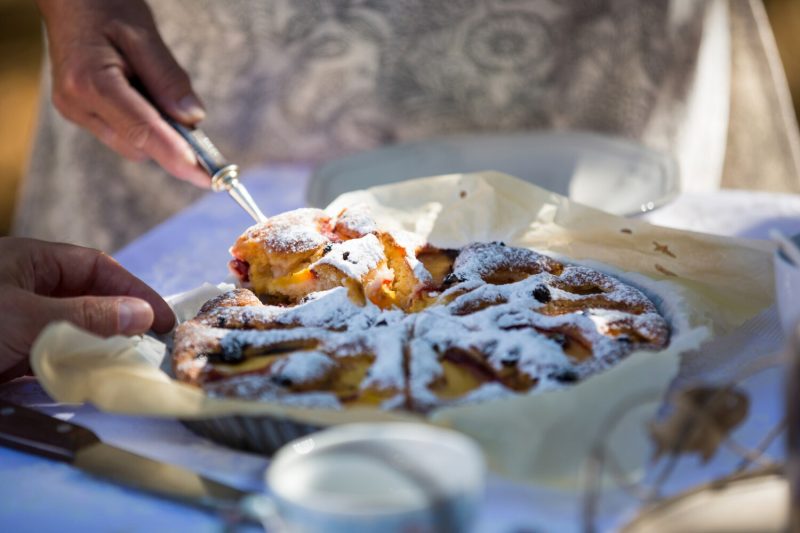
<point>34,432</point>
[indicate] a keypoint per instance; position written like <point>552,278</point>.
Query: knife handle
<point>30,431</point>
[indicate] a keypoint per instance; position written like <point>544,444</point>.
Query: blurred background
<point>20,58</point>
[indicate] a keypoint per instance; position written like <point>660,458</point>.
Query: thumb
<point>105,316</point>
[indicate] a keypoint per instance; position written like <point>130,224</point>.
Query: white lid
<point>377,468</point>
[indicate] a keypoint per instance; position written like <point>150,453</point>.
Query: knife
<point>34,432</point>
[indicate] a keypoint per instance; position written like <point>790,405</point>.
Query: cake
<point>337,312</point>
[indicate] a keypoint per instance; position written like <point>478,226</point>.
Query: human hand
<point>41,282</point>
<point>96,47</point>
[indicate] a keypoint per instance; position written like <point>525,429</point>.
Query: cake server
<point>34,432</point>
<point>224,175</point>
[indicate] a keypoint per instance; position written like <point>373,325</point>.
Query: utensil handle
<point>30,431</point>
<point>208,155</point>
<point>224,174</point>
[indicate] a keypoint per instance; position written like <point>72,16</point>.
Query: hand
<point>41,282</point>
<point>96,47</point>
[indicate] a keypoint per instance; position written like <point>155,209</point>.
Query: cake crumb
<point>663,248</point>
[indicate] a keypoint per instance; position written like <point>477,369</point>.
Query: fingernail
<point>189,106</point>
<point>134,316</point>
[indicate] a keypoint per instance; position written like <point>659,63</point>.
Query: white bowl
<point>610,173</point>
<point>378,477</point>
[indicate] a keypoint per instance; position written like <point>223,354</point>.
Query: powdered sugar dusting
<point>487,391</point>
<point>303,367</point>
<point>356,220</point>
<point>478,261</point>
<point>255,387</point>
<point>509,319</point>
<point>387,370</point>
<point>355,257</point>
<point>291,232</point>
<point>412,244</point>
<point>424,369</point>
<point>331,309</point>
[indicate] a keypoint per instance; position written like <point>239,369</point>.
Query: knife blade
<point>30,431</point>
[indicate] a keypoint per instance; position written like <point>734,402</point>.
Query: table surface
<point>183,252</point>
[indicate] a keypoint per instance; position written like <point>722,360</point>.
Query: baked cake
<point>336,312</point>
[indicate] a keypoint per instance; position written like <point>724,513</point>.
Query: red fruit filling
<point>241,269</point>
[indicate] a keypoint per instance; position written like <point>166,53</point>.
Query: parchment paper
<point>703,284</point>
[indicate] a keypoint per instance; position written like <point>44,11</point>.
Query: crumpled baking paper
<point>705,285</point>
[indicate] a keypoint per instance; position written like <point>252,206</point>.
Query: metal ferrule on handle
<point>227,179</point>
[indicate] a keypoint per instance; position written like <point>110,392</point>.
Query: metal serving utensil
<point>224,175</point>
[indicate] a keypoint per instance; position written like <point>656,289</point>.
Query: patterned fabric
<point>310,80</point>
